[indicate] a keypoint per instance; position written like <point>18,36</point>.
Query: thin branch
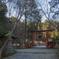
<point>47,17</point>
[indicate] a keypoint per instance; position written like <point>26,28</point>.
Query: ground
<point>34,53</point>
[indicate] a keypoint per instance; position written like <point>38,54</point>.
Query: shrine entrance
<point>33,33</point>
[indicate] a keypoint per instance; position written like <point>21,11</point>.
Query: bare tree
<point>48,13</point>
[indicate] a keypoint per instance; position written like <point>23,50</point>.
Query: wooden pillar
<point>33,38</point>
<point>47,37</point>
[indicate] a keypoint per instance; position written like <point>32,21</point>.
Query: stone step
<point>42,44</point>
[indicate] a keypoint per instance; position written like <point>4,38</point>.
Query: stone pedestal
<point>9,48</point>
<point>56,46</point>
<point>23,46</point>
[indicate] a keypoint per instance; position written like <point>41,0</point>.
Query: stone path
<point>34,53</point>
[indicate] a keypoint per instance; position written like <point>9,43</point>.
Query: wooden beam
<point>39,34</point>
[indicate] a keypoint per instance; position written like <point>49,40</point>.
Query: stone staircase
<point>42,44</point>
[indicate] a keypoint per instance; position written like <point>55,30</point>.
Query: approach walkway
<point>34,53</point>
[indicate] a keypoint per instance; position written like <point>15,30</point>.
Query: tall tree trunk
<point>0,54</point>
<point>25,21</point>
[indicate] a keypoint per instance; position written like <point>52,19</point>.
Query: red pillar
<point>47,37</point>
<point>33,38</point>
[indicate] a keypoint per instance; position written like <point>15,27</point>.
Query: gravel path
<point>40,53</point>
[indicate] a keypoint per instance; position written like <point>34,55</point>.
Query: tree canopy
<point>3,10</point>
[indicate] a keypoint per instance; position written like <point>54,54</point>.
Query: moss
<point>57,54</point>
<point>9,54</point>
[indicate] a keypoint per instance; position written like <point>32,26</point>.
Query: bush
<point>3,36</point>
